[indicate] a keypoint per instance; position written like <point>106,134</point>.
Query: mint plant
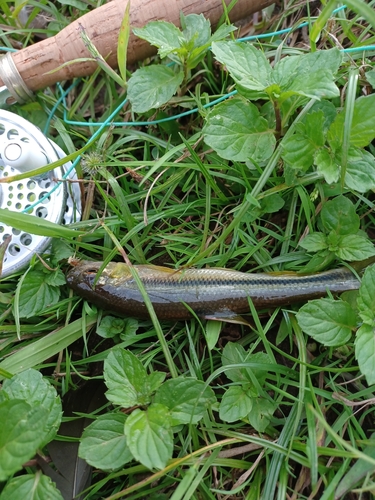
<point>152,86</point>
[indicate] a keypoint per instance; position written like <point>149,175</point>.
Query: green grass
<point>165,197</point>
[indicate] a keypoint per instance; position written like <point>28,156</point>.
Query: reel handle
<point>102,25</point>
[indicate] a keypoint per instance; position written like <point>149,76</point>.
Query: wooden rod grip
<point>102,26</point>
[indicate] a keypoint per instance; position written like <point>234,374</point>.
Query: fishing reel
<point>51,196</point>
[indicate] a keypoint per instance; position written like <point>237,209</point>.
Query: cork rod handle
<point>34,63</point>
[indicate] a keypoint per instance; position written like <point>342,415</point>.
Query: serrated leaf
<point>149,436</point>
<point>31,487</point>
<point>222,32</point>
<point>110,326</point>
<point>152,86</point>
<point>31,387</point>
<point>125,377</point>
<point>186,398</point>
<point>360,170</point>
<point>236,131</point>
<point>236,403</point>
<point>154,381</point>
<point>330,322</point>
<point>366,298</point>
<point>22,431</point>
<point>247,65</point>
<point>365,352</point>
<point>163,35</point>
<point>55,278</point>
<point>103,443</point>
<point>327,165</point>
<point>339,215</point>
<point>196,29</point>
<point>235,354</point>
<point>36,294</point>
<point>355,247</point>
<point>314,242</point>
<point>261,413</point>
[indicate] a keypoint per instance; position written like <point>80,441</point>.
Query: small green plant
<point>153,86</point>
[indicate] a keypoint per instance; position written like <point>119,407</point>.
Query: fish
<point>209,293</point>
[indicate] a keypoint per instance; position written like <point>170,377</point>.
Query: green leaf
<point>123,40</point>
<point>234,354</point>
<point>152,86</point>
<point>31,387</point>
<point>365,352</point>
<point>370,77</point>
<point>36,294</point>
<point>235,404</point>
<point>247,65</point>
<point>310,75</point>
<point>36,225</point>
<point>327,165</point>
<point>355,247</point>
<point>366,298</point>
<point>314,242</point>
<point>196,30</point>
<point>328,321</point>
<point>103,443</point>
<point>154,381</point>
<point>272,204</point>
<point>125,377</point>
<point>236,131</point>
<point>186,398</point>
<point>213,329</point>
<point>360,170</point>
<point>149,436</point>
<point>363,124</point>
<point>110,326</point>
<point>31,487</point>
<point>55,278</point>
<point>299,149</point>
<point>261,413</point>
<point>22,432</point>
<point>163,35</point>
<point>130,328</point>
<point>339,215</point>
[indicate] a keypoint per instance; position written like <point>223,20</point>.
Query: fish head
<point>84,274</point>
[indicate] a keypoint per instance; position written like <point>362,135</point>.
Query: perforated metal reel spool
<point>23,148</point>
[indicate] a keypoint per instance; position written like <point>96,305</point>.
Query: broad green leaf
<point>234,354</point>
<point>31,487</point>
<point>236,404</point>
<point>365,351</point>
<point>247,65</point>
<point>22,431</point>
<point>360,170</point>
<point>31,387</point>
<point>261,413</point>
<point>318,85</point>
<point>103,443</point>
<point>327,165</point>
<point>355,247</point>
<point>314,242</point>
<point>110,326</point>
<point>370,77</point>
<point>330,322</point>
<point>163,35</point>
<point>130,329</point>
<point>55,278</point>
<point>339,215</point>
<point>222,32</point>
<point>366,298</point>
<point>196,30</point>
<point>237,132</point>
<point>36,294</point>
<point>329,111</point>
<point>319,262</point>
<point>299,149</point>
<point>272,204</point>
<point>186,398</point>
<point>149,436</point>
<point>363,124</point>
<point>125,377</point>
<point>154,381</point>
<point>152,86</point>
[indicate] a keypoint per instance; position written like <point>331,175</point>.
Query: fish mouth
<point>82,271</point>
